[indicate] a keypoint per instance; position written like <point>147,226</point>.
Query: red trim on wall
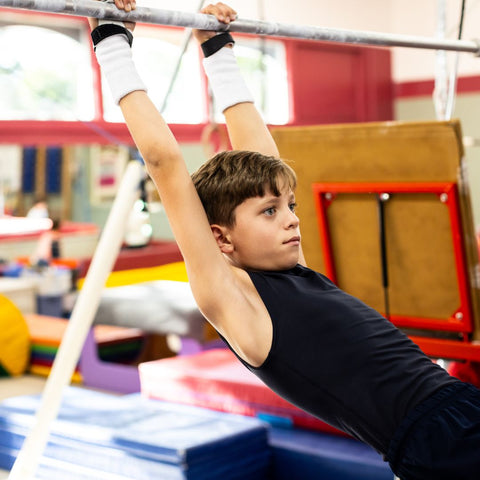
<point>423,88</point>
<point>97,86</point>
<point>418,88</point>
<point>32,132</point>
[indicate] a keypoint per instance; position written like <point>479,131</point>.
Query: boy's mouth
<point>294,240</point>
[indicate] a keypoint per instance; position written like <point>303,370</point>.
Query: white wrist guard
<point>225,78</point>
<point>115,59</point>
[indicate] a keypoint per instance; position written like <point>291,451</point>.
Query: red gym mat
<point>215,379</point>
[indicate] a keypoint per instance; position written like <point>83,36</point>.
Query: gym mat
<point>101,435</point>
<point>312,455</point>
<point>216,379</point>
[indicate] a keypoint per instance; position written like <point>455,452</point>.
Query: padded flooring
<point>131,437</point>
<point>13,387</point>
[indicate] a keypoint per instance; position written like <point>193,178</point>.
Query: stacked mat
<point>216,379</point>
<point>104,436</point>
<point>115,344</point>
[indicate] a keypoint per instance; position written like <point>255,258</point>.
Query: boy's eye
<point>269,211</point>
<point>293,206</point>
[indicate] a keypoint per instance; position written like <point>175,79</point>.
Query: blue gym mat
<point>308,455</point>
<point>103,436</point>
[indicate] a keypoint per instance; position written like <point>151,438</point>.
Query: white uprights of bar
<point>81,320</point>
<point>92,8</point>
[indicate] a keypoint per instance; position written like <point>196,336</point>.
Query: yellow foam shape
<point>14,338</point>
<point>171,271</point>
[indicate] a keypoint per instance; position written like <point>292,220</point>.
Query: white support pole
<point>440,92</point>
<point>92,8</point>
<point>79,323</point>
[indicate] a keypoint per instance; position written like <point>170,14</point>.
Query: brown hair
<point>229,178</point>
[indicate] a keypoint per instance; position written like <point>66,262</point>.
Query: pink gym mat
<point>215,379</point>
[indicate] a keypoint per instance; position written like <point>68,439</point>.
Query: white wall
<point>340,13</point>
<point>412,17</point>
<point>419,17</point>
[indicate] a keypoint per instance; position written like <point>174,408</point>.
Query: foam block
<point>108,436</point>
<point>216,379</point>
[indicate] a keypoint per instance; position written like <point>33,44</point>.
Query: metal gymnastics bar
<point>92,8</point>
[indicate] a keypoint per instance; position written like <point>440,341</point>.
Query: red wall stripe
<point>421,88</point>
<point>33,132</point>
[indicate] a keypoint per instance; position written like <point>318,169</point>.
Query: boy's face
<point>266,233</point>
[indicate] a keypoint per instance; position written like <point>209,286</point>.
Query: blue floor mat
<point>131,437</point>
<point>308,455</point>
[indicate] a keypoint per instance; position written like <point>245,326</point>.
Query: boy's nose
<point>293,220</point>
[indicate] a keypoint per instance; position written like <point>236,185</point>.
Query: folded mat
<point>102,436</point>
<point>216,379</point>
<point>161,306</point>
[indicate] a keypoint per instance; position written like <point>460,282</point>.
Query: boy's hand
<point>224,14</point>
<point>126,5</point>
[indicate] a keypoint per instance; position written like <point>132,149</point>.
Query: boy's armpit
<point>238,313</point>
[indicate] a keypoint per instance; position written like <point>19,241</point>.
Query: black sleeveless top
<point>340,360</point>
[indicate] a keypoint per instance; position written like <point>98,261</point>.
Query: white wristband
<point>225,78</point>
<point>115,58</point>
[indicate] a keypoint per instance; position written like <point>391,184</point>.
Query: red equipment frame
<point>461,320</point>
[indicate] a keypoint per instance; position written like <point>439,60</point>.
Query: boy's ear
<point>223,238</point>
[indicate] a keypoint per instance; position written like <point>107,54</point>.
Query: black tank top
<point>340,360</point>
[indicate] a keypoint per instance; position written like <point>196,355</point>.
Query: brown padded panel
<point>419,239</point>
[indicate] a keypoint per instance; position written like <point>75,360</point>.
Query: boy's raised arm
<point>161,153</point>
<point>246,127</point>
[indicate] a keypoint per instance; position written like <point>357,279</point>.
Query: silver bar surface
<point>92,8</point>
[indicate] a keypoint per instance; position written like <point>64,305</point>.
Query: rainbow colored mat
<point>115,344</point>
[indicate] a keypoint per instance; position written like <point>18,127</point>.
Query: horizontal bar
<point>92,8</point>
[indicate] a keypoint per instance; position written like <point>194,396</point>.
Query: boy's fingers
<point>228,13</point>
<point>223,12</point>
<point>126,5</point>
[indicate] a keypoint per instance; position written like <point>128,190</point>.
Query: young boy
<point>318,347</point>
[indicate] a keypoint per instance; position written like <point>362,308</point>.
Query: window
<point>263,65</point>
<point>44,75</point>
<point>156,52</point>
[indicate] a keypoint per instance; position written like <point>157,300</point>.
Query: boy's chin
<point>273,266</point>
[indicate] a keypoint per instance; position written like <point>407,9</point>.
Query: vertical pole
<point>440,92</point>
<point>382,198</point>
<point>79,324</point>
